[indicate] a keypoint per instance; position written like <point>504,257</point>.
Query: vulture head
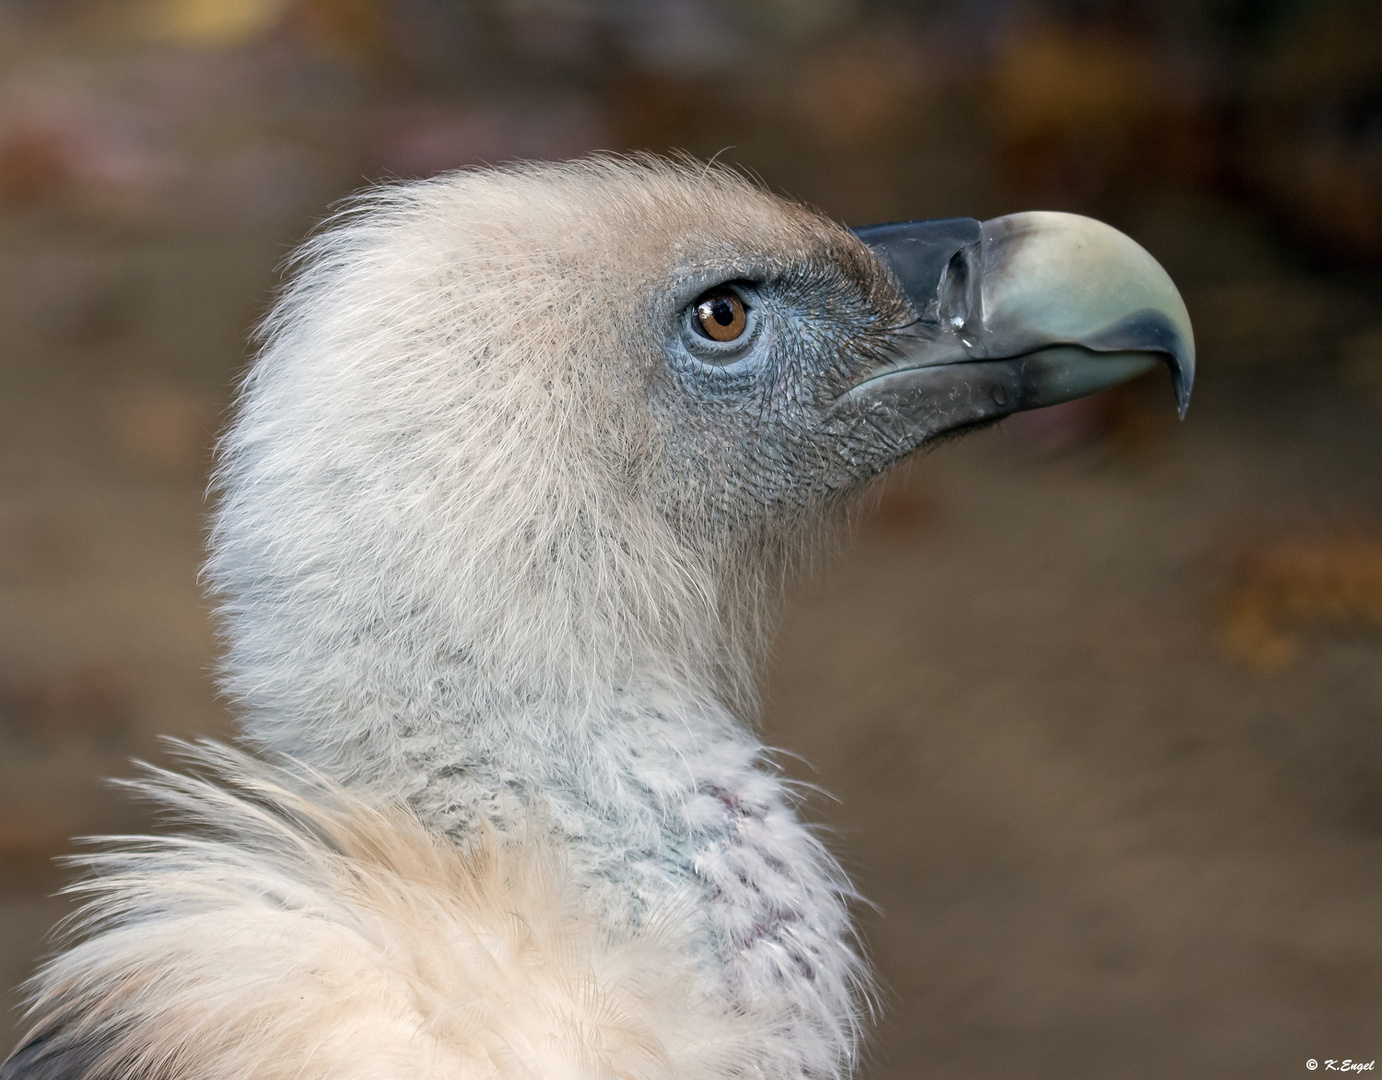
<point>523,441</point>
<point>511,491</point>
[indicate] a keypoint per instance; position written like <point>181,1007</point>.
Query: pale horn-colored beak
<point>1016,313</point>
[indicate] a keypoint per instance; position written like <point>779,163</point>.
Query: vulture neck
<point>584,697</point>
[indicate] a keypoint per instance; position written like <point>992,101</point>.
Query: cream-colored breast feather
<point>303,931</point>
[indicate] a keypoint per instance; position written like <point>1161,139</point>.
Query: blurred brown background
<point>1100,694</point>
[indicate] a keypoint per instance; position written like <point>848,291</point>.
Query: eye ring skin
<point>705,348</point>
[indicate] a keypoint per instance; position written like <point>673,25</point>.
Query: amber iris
<point>720,315</point>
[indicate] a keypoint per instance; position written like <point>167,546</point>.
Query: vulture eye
<point>720,315</point>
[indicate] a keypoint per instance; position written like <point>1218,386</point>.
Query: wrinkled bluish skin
<point>754,438</point>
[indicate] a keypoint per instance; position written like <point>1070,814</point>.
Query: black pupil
<point>722,310</point>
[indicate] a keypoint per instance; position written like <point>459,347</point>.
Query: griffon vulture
<point>510,494</point>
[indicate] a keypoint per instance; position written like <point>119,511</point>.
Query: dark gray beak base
<point>1016,313</point>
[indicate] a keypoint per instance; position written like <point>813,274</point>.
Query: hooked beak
<point>1015,313</point>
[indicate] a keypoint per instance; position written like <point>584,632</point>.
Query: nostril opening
<point>956,294</point>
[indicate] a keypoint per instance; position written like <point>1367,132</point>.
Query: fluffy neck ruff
<point>306,934</point>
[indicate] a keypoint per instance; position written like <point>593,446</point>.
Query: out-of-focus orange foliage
<point>347,28</point>
<point>205,22</point>
<point>1052,80</point>
<point>1314,580</point>
<point>340,27</point>
<point>34,166</point>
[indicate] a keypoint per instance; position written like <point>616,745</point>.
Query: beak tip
<point>1183,379</point>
